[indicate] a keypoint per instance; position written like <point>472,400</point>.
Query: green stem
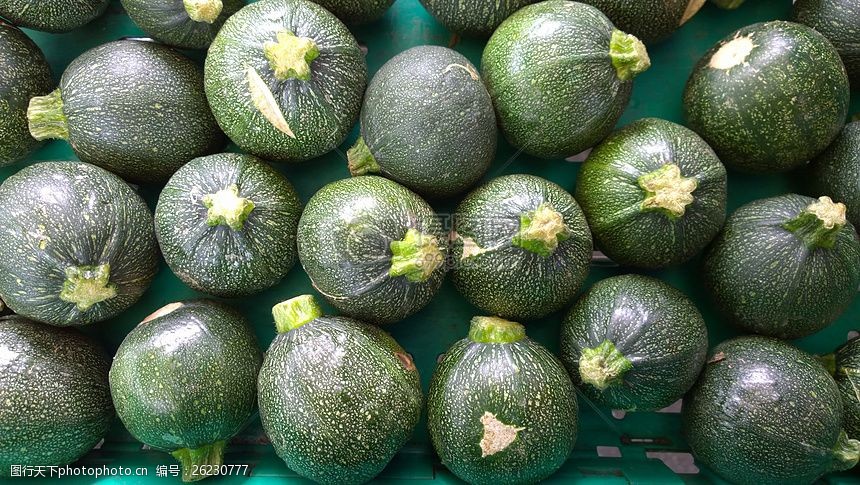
<point>227,208</point>
<point>87,285</point>
<point>629,55</point>
<point>291,56</point>
<point>603,366</point>
<point>819,224</point>
<point>666,191</point>
<point>206,11</point>
<point>845,453</point>
<point>416,256</point>
<point>360,160</point>
<point>541,230</point>
<point>192,459</point>
<point>45,117</point>
<point>295,312</point>
<point>495,330</point>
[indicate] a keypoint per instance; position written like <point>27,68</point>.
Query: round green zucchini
<point>372,248</point>
<point>836,172</point>
<point>24,73</point>
<point>133,107</point>
<point>184,381</point>
<point>784,266</point>
<point>839,21</point>
<point>764,412</point>
<point>768,97</point>
<point>521,247</point>
<point>844,365</point>
<point>501,408</point>
<point>227,224</point>
<point>187,24</point>
<point>356,12</point>
<point>648,20</point>
<point>427,123</point>
<point>559,91</point>
<point>55,402</point>
<point>285,79</point>
<point>52,15</point>
<point>473,17</point>
<point>634,343</point>
<point>654,194</point>
<point>78,245</point>
<point>338,397</point>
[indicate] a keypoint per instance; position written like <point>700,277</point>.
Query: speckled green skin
<point>428,121</point>
<point>608,190</point>
<point>473,17</point>
<point>555,93</point>
<point>836,172</point>
<point>847,376</point>
<point>344,241</point>
<point>55,401</point>
<point>187,378</point>
<point>25,73</point>
<point>767,281</point>
<point>763,412</point>
<point>779,108</point>
<point>52,15</point>
<point>355,12</point>
<point>218,259</point>
<point>839,21</point>
<point>654,326</point>
<point>338,398</point>
<point>649,20</point>
<point>82,215</point>
<point>507,280</point>
<point>521,383</point>
<point>167,21</point>
<point>320,112</point>
<point>138,109</point>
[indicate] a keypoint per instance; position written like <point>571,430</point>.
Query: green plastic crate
<point>629,446</point>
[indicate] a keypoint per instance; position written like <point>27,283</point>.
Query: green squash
<point>785,266</point>
<point>521,247</point>
<point>24,73</point>
<point>55,401</point>
<point>501,408</point>
<point>844,365</point>
<point>654,194</point>
<point>285,79</point>
<point>559,91</point>
<point>133,107</point>
<point>184,381</point>
<point>372,248</point>
<point>52,15</point>
<point>728,4</point>
<point>338,397</point>
<point>473,17</point>
<point>356,12</point>
<point>649,20</point>
<point>78,245</point>
<point>764,412</point>
<point>836,172</point>
<point>634,343</point>
<point>420,111</point>
<point>227,224</point>
<point>768,97</point>
<point>839,21</point>
<point>187,24</point>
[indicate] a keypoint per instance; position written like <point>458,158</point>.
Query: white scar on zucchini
<point>469,69</point>
<point>733,53</point>
<point>497,435</point>
<point>265,102</point>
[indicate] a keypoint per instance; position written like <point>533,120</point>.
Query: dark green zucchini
<point>78,245</point>
<point>521,247</point>
<point>188,24</point>
<point>654,194</point>
<point>427,123</point>
<point>227,224</point>
<point>55,400</point>
<point>338,397</point>
<point>836,172</point>
<point>372,248</point>
<point>52,15</point>
<point>634,343</point>
<point>785,266</point>
<point>501,408</point>
<point>24,73</point>
<point>764,412</point>
<point>560,91</point>
<point>285,79</point>
<point>473,17</point>
<point>133,107</point>
<point>768,97</point>
<point>839,21</point>
<point>649,20</point>
<point>355,12</point>
<point>184,381</point>
<point>844,365</point>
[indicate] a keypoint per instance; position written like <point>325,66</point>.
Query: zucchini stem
<point>819,224</point>
<point>87,285</point>
<point>295,312</point>
<point>360,160</point>
<point>227,208</point>
<point>667,191</point>
<point>629,55</point>
<point>541,230</point>
<point>291,56</point>
<point>416,256</point>
<point>495,330</point>
<point>846,452</point>
<point>46,118</point>
<point>206,11</point>
<point>191,459</point>
<point>603,366</point>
